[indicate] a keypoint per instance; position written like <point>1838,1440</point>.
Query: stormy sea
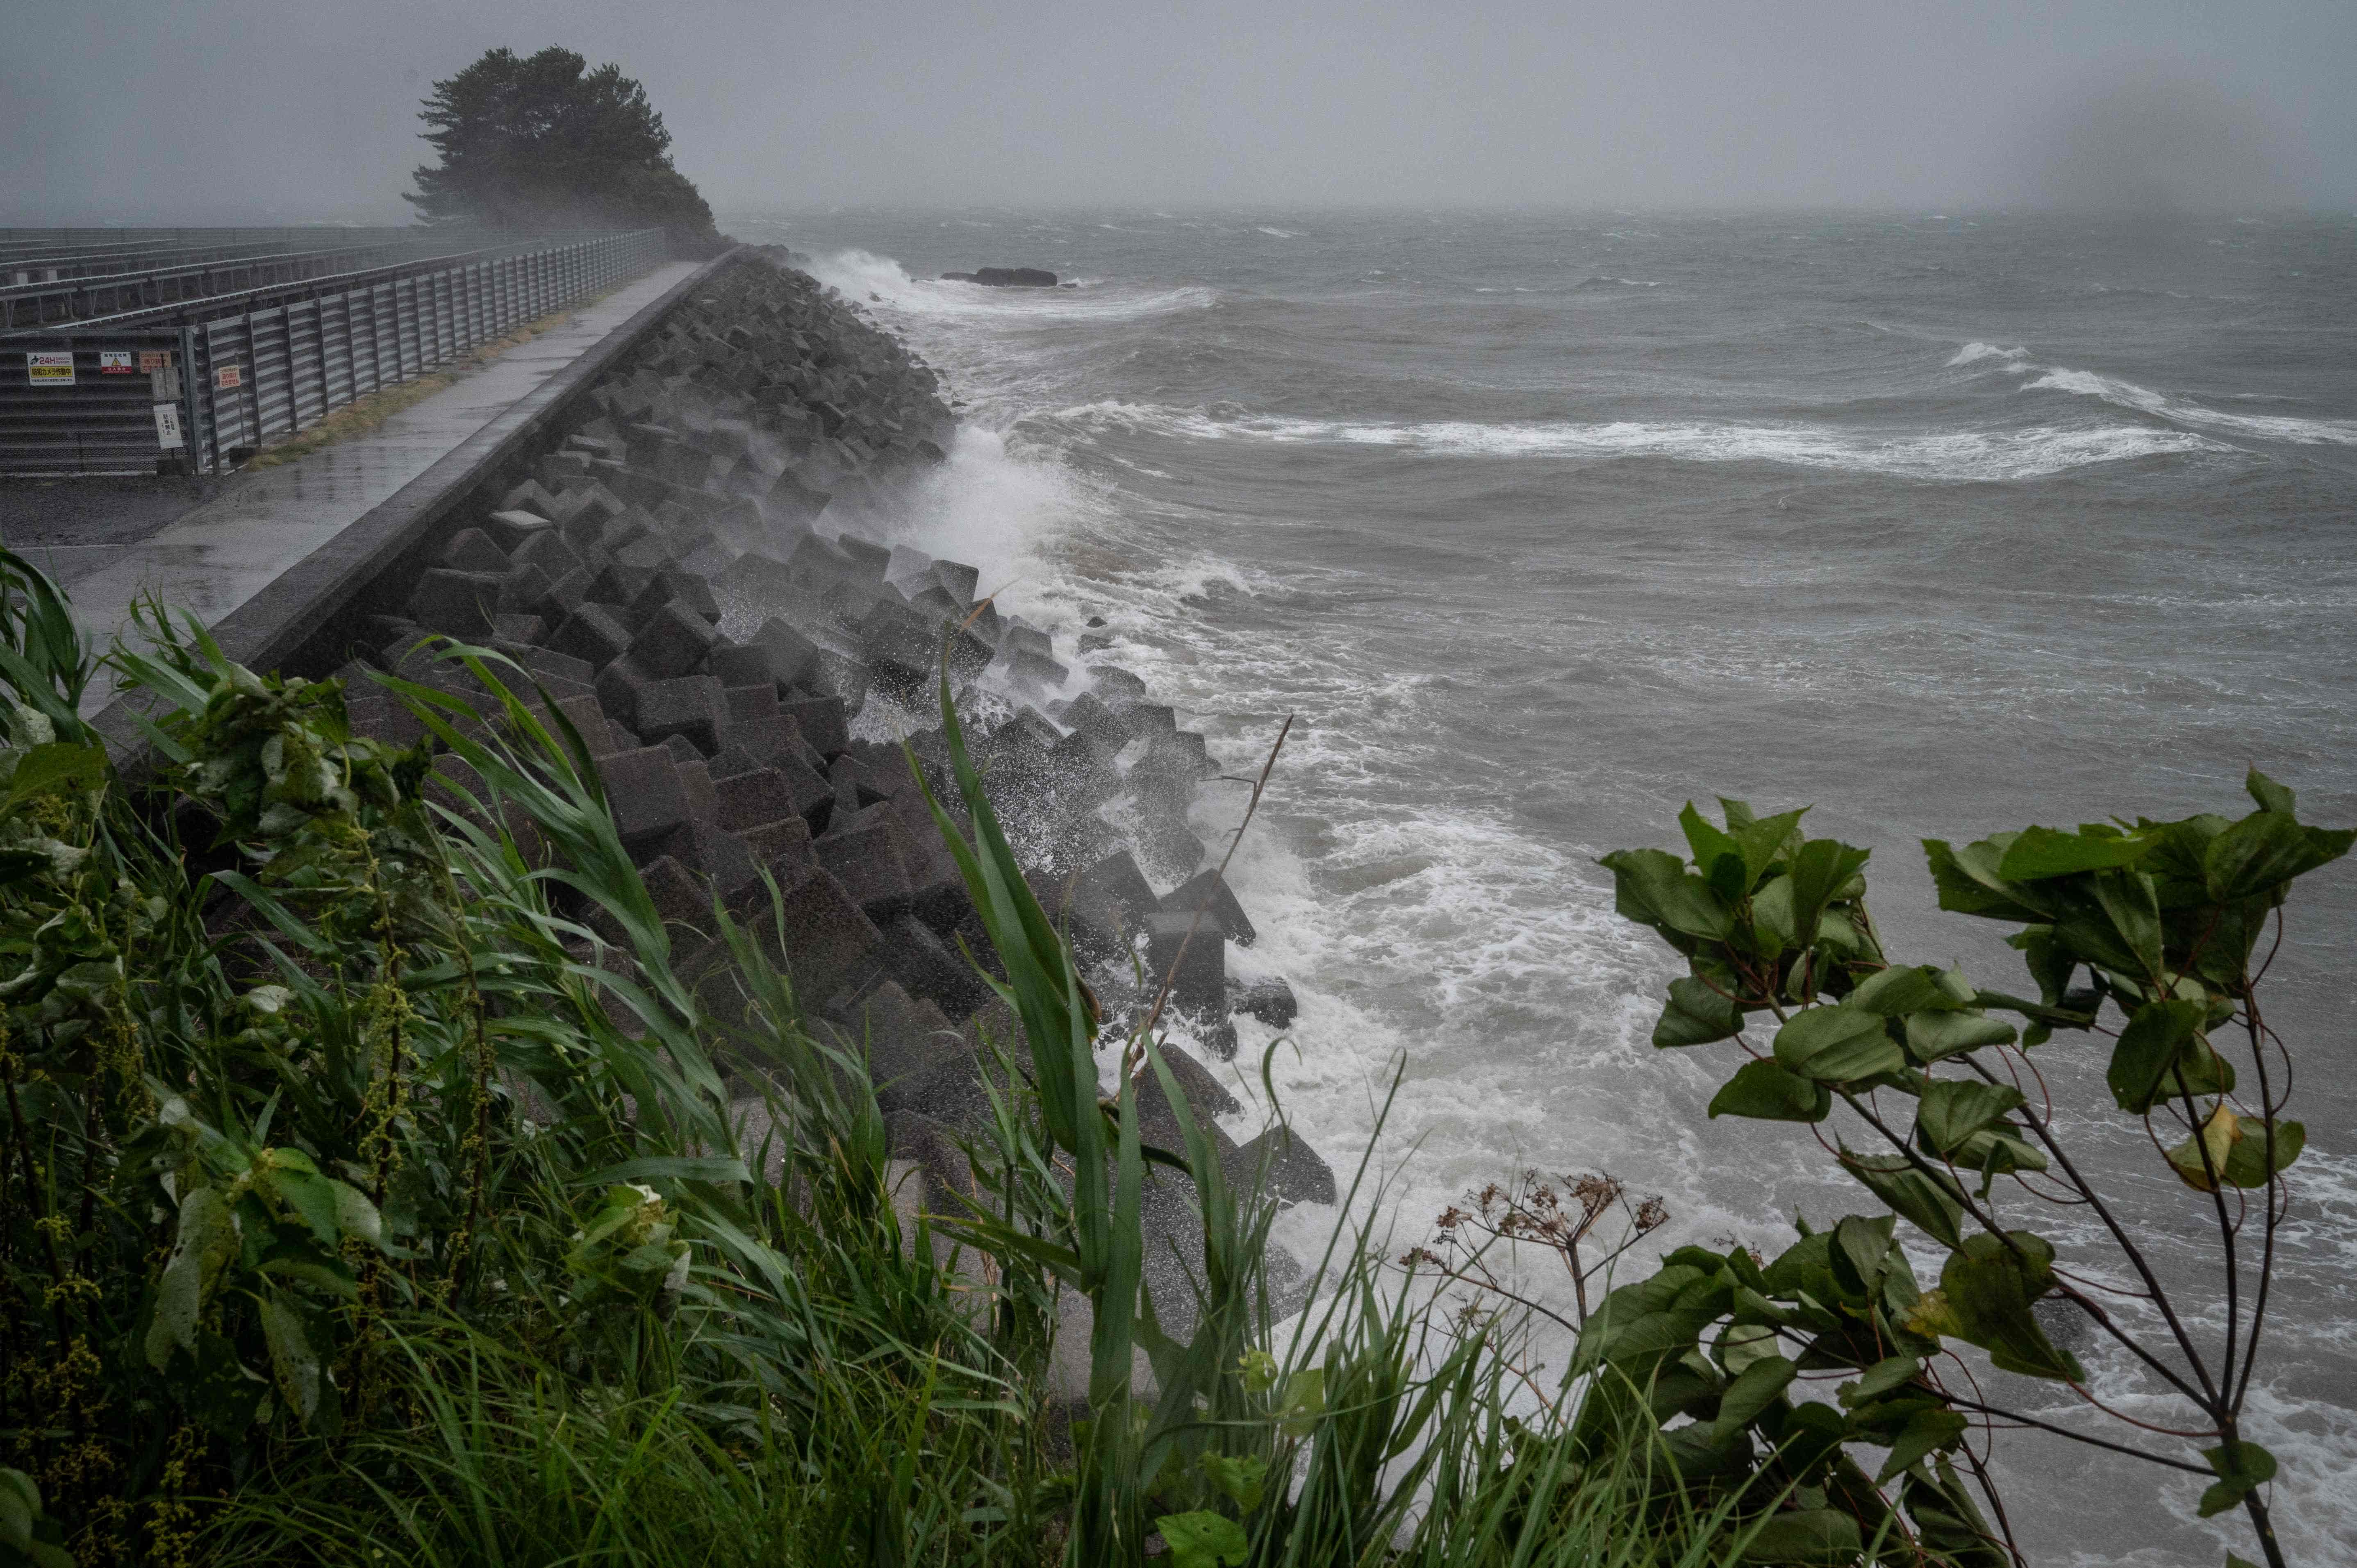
<point>1544,524</point>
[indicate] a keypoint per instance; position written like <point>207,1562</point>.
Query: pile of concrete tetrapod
<point>658,573</point>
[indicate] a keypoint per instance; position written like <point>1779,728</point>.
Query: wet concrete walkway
<point>216,557</point>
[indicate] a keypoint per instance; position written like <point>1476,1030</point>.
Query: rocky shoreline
<point>664,572</point>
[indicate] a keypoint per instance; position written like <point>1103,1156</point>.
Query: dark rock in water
<point>1270,1001</point>
<point>1004,277</point>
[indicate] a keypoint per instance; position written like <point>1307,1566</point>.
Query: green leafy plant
<point>2150,933</point>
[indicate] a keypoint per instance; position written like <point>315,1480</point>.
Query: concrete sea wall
<point>661,562</point>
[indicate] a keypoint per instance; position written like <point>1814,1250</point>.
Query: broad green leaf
<point>1837,1045</point>
<point>1764,839</point>
<point>292,1359</point>
<point>1892,1373</point>
<point>57,765</point>
<point>1953,1110</point>
<point>20,1505</point>
<point>1968,883</point>
<point>308,1193</point>
<point>356,1216</point>
<point>1931,1202</point>
<point>1989,1287</point>
<point>206,1242</point>
<point>1758,1386</point>
<point>1696,1015</point>
<point>1803,1536</point>
<point>1935,1036</point>
<point>2246,1162</point>
<point>1241,1477</point>
<point>1820,870</point>
<point>1203,1540</point>
<point>1865,1245</point>
<point>2037,854</point>
<point>1902,989</point>
<point>2158,1039</point>
<point>1718,856</point>
<point>2270,795</point>
<point>1925,1431</point>
<point>1653,888</point>
<point>2049,962</point>
<point>2128,902</point>
<point>1745,1345</point>
<point>1771,918</point>
<point>2241,1467</point>
<point>2265,850</point>
<point>1766,1092</point>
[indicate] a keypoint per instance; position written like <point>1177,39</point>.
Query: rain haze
<point>1502,424</point>
<point>248,112</point>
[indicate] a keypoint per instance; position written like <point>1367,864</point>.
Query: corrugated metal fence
<point>248,378</point>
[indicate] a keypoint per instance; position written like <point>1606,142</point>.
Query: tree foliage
<point>2156,934</point>
<point>542,141</point>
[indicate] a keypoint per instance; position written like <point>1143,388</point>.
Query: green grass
<point>361,1203</point>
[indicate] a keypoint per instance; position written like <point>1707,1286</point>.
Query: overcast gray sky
<point>229,110</point>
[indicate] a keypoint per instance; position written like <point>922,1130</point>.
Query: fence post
<point>188,398</point>
<point>253,382</point>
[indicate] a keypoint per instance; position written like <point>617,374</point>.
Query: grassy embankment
<point>374,1191</point>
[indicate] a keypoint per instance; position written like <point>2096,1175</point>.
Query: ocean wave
<point>1599,281</point>
<point>1280,233</point>
<point>1974,353</point>
<point>2267,427</point>
<point>1957,456</point>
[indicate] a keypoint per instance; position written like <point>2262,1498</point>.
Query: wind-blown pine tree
<point>543,141</point>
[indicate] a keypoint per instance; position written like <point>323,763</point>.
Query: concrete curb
<point>268,628</point>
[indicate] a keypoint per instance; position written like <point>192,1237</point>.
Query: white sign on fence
<point>49,370</point>
<point>114,361</point>
<point>168,428</point>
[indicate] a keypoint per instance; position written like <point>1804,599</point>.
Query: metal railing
<point>78,400</point>
<point>26,306</point>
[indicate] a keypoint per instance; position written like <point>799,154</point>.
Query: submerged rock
<point>1004,277</point>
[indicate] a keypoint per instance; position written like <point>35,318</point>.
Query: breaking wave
<point>1974,353</point>
<point>2144,400</point>
<point>1959,456</point>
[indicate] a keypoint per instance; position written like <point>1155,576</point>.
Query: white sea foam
<point>1414,921</point>
<point>2265,426</point>
<point>1280,233</point>
<point>1960,456</point>
<point>1974,353</point>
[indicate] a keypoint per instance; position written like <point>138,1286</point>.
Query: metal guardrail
<point>61,255</point>
<point>24,306</point>
<point>81,400</point>
<point>258,296</point>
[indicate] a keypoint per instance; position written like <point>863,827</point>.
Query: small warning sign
<point>230,376</point>
<point>154,359</point>
<point>49,370</point>
<point>115,363</point>
<point>168,428</point>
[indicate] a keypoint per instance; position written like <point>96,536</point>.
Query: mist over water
<point>1544,525</point>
